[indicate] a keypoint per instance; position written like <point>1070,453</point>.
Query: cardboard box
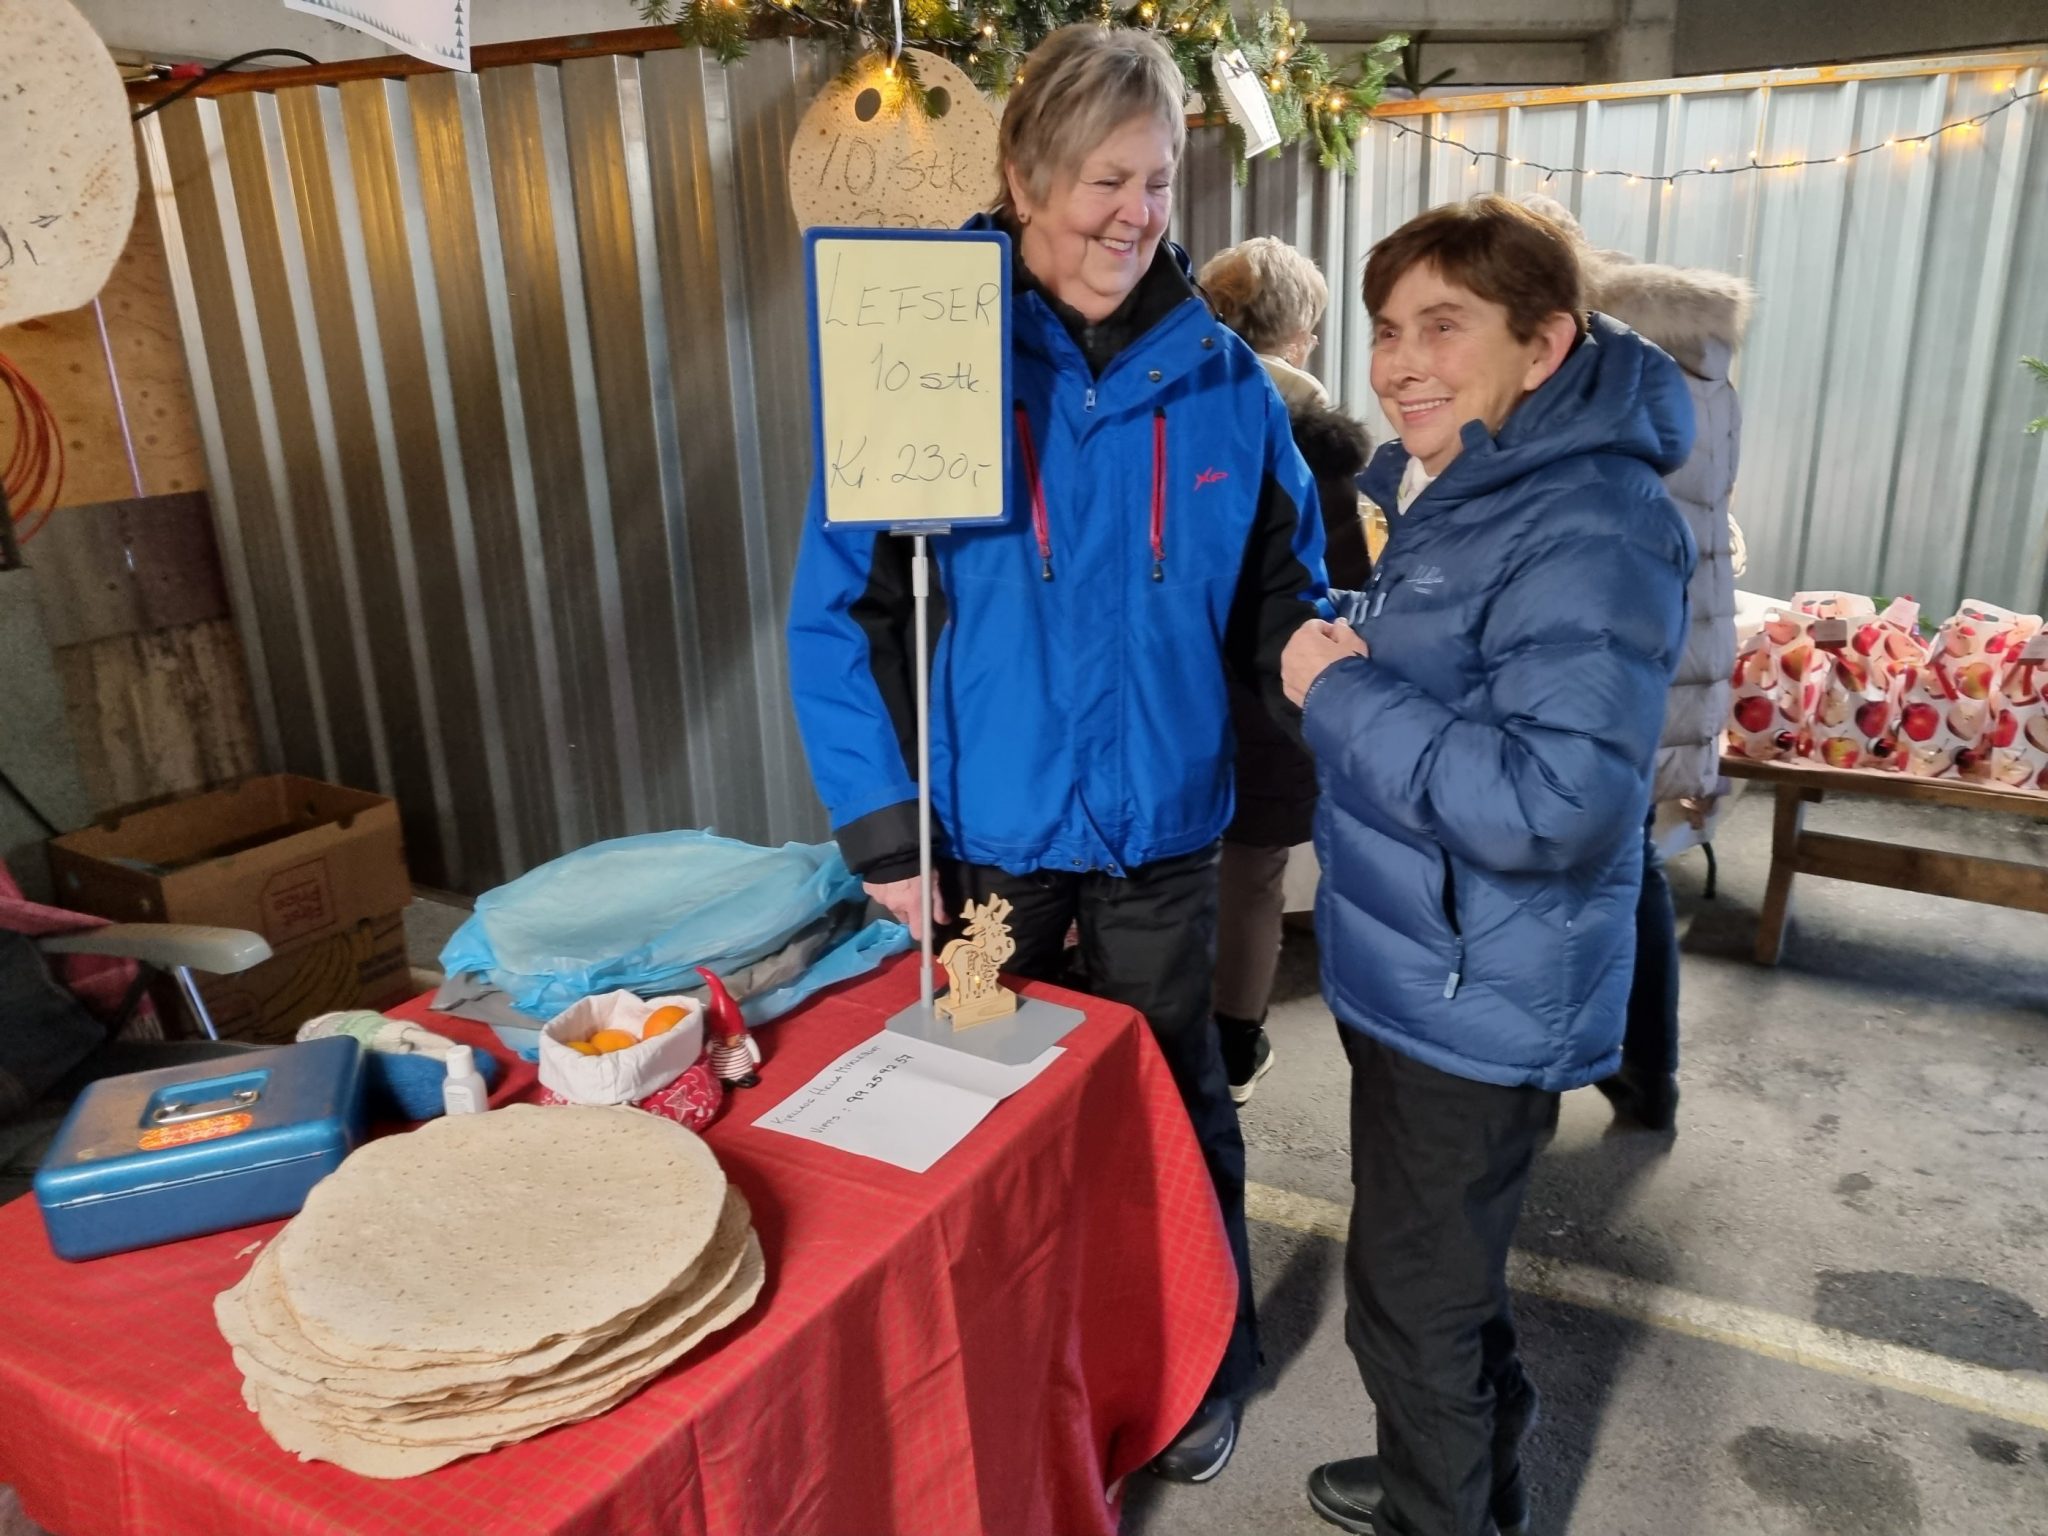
<point>318,870</point>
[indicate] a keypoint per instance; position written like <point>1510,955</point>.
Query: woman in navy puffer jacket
<point>1485,727</point>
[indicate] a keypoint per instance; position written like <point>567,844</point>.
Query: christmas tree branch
<point>1312,99</point>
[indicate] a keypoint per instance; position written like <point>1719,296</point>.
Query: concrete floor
<point>1862,1151</point>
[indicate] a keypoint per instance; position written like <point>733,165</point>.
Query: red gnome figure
<point>734,1050</point>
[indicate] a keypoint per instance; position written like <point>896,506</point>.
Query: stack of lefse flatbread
<point>486,1278</point>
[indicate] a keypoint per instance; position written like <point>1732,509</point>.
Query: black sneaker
<point>1203,1448</point>
<point>1647,1099</point>
<point>1247,1055</point>
<point>1348,1495</point>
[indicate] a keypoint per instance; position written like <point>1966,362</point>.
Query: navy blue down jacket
<point>1165,529</point>
<point>1486,771</point>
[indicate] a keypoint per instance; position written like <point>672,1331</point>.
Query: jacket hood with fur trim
<point>1696,314</point>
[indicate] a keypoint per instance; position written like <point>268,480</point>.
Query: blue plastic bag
<point>640,913</point>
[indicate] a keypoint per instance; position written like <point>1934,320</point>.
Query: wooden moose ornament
<point>975,992</point>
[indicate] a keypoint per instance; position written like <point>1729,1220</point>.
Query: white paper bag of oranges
<point>617,1048</point>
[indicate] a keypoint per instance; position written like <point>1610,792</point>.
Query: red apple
<point>1920,722</point>
<point>1872,719</point>
<point>1782,631</point>
<point>1975,680</point>
<point>1866,639</point>
<point>1839,752</point>
<point>1797,659</point>
<point>1995,646</point>
<point>1755,714</point>
<point>2007,730</point>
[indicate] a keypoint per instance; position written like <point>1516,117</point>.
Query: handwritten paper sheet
<point>909,347</point>
<point>900,1100</point>
<point>434,30</point>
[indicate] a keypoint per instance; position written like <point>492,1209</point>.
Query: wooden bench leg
<point>1777,913</point>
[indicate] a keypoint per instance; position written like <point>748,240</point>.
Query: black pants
<point>1148,940</point>
<point>1649,1046</point>
<point>1439,1165</point>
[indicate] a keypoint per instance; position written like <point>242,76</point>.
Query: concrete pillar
<point>1641,45</point>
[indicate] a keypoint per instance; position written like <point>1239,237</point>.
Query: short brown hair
<point>1497,249</point>
<point>1076,89</point>
<point>1266,291</point>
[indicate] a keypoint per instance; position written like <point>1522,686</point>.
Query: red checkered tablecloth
<point>988,1346</point>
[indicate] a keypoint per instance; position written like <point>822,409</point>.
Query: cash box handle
<point>171,1112</point>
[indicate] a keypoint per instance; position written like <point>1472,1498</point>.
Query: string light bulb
<point>1148,10</point>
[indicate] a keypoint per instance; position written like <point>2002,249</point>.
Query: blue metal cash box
<point>157,1156</point>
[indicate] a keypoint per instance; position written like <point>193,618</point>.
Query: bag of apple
<point>1865,659</point>
<point>1950,706</point>
<point>1774,688</point>
<point>2019,734</point>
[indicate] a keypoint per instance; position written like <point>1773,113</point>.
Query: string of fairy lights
<point>1758,160</point>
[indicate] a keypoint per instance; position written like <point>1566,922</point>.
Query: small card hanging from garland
<point>908,145</point>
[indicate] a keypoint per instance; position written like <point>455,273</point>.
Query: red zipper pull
<point>1159,494</point>
<point>1041,525</point>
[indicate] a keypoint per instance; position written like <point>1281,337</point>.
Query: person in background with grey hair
<point>1274,297</point>
<point>1165,539</point>
<point>1698,316</point>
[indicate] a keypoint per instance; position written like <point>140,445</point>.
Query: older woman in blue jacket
<point>1166,540</point>
<point>1485,719</point>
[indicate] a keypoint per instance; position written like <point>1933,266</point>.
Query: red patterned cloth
<point>989,1346</point>
<point>691,1101</point>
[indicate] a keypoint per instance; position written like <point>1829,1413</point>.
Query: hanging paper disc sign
<point>866,155</point>
<point>68,196</point>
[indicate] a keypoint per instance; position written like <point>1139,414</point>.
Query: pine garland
<point>989,39</point>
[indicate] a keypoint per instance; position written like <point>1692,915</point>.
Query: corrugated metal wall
<point>501,377</point>
<point>1884,449</point>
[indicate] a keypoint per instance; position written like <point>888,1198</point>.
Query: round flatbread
<point>385,1456</point>
<point>486,1237</point>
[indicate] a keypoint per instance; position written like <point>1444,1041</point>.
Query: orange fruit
<point>662,1020</point>
<point>581,1047</point>
<point>608,1040</point>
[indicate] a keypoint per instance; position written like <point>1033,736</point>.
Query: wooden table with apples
<point>1796,851</point>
